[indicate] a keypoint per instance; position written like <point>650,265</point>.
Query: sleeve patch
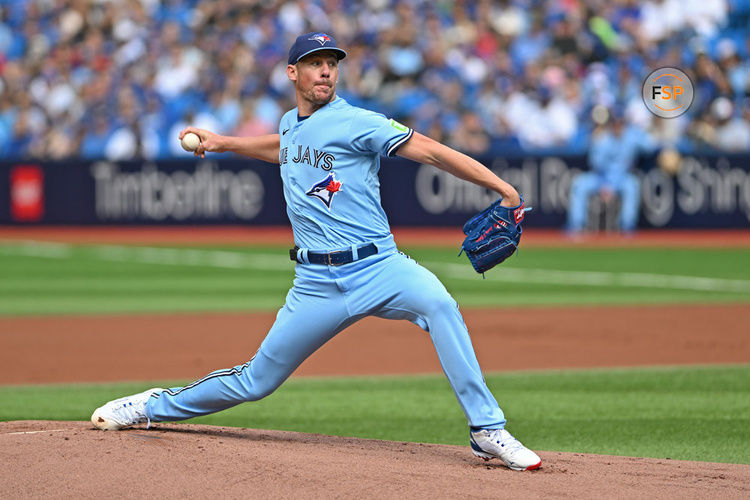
<point>398,126</point>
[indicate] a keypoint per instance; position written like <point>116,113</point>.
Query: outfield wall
<point>706,192</point>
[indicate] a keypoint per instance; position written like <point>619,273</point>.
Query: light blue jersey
<point>329,164</point>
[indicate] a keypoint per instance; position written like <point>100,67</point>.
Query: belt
<point>335,258</point>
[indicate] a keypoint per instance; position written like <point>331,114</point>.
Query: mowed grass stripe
<point>151,255</point>
<point>104,279</point>
<point>598,278</point>
<point>125,284</point>
<point>274,262</point>
<point>140,304</point>
<point>690,413</point>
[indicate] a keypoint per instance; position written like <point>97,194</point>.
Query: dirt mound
<point>71,459</point>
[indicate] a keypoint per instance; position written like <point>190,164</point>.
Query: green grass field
<point>690,413</point>
<point>682,413</point>
<point>74,279</point>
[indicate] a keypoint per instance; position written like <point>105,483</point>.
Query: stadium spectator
<point>614,150</point>
<point>519,65</point>
<point>470,134</point>
<point>732,130</point>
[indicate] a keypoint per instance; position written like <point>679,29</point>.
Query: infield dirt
<point>71,347</point>
<point>71,460</point>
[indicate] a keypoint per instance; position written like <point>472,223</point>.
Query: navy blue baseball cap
<point>313,42</point>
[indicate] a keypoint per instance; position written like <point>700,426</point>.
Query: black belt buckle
<point>330,256</point>
<point>293,253</point>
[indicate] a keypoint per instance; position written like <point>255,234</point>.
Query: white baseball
<point>190,141</point>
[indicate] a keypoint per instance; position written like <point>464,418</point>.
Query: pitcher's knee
<point>258,394</point>
<point>259,389</point>
<point>258,382</point>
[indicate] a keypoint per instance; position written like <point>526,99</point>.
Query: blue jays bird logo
<point>325,189</point>
<point>322,38</point>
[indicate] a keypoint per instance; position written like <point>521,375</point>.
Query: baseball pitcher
<point>347,264</point>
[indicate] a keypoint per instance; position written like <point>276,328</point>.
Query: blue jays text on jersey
<point>329,163</point>
<point>318,159</point>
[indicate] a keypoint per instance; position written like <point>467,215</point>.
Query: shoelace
<point>506,440</point>
<point>134,415</point>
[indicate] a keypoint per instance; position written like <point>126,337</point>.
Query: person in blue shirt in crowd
<point>613,152</point>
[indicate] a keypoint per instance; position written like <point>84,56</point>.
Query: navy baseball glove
<point>493,235</point>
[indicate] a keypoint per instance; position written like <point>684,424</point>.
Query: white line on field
<point>33,432</point>
<point>191,257</point>
<point>596,278</point>
<point>30,248</point>
<point>279,262</point>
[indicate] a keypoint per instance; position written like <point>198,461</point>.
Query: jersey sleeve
<point>373,132</point>
<point>286,121</point>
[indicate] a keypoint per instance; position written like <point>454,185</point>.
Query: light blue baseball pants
<point>323,301</point>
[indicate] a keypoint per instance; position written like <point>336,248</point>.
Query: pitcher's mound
<point>71,459</point>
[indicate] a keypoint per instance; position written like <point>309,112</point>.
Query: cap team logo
<point>325,189</point>
<point>321,38</point>
<point>667,92</point>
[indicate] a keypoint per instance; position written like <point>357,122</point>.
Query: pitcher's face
<point>315,77</point>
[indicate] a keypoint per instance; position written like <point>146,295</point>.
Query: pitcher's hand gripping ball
<point>493,235</point>
<point>190,141</point>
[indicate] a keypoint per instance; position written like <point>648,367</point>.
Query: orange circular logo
<point>667,92</point>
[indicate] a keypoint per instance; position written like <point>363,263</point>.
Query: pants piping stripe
<point>223,373</point>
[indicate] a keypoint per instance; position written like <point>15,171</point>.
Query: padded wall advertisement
<point>704,192</point>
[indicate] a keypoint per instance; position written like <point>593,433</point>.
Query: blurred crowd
<point>119,79</point>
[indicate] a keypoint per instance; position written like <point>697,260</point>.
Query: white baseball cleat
<point>499,443</point>
<point>123,412</point>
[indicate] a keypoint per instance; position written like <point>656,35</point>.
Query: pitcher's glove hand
<point>493,235</point>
